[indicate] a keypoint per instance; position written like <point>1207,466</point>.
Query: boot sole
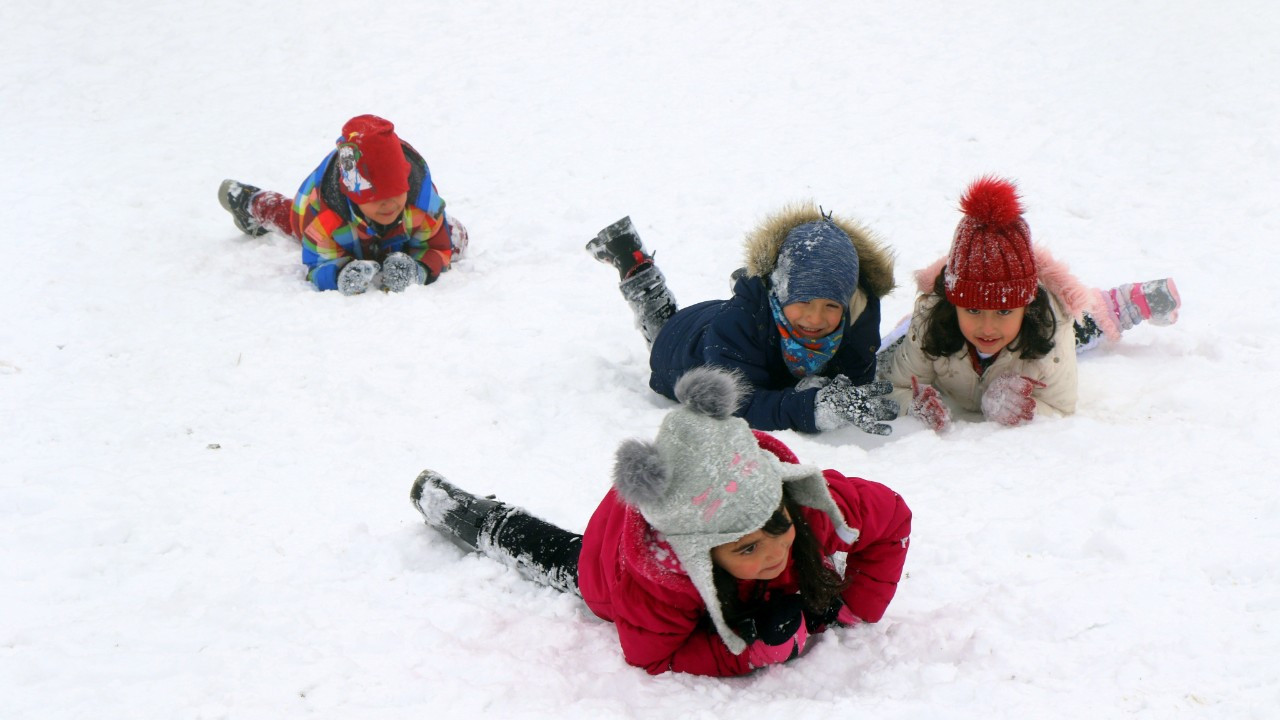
<point>454,510</point>
<point>615,229</point>
<point>224,195</point>
<point>598,251</point>
<point>224,199</point>
<point>415,492</point>
<point>1166,317</point>
<point>597,245</point>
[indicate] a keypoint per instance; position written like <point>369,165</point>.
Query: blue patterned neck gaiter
<point>803,356</point>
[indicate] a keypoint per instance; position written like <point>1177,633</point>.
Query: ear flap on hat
<point>806,485</point>
<point>639,474</point>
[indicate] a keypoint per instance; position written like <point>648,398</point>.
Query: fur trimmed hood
<point>1056,278</point>
<point>875,261</point>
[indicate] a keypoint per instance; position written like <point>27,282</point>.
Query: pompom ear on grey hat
<point>711,391</point>
<point>705,481</point>
<point>639,474</point>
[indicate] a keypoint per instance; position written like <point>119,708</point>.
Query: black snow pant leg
<point>541,551</point>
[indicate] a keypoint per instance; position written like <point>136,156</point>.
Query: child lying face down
<point>712,553</point>
<point>999,321</point>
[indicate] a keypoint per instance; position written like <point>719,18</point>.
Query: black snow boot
<point>652,302</point>
<point>619,245</point>
<point>234,198</point>
<point>465,519</point>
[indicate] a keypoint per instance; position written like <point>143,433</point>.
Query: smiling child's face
<point>814,319</point>
<point>990,330</point>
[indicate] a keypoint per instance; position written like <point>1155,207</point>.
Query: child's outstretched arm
<point>876,558</point>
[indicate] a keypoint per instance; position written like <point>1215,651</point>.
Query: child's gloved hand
<point>841,403</point>
<point>837,612</point>
<point>846,616</point>
<point>1008,400</point>
<point>760,654</point>
<point>355,276</point>
<point>927,405</point>
<point>776,632</point>
<point>816,621</point>
<point>775,621</point>
<point>399,271</point>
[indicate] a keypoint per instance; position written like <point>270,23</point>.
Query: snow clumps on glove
<point>1008,400</point>
<point>840,403</point>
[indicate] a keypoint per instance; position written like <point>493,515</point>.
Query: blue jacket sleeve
<point>324,276</point>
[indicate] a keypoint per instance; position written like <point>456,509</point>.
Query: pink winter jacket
<point>630,578</point>
<point>955,376</point>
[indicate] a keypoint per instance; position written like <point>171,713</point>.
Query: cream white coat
<point>954,375</point>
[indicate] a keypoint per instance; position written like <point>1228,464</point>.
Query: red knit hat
<point>991,266</point>
<point>371,161</point>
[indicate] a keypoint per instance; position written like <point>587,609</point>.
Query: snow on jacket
<point>740,333</point>
<point>956,376</point>
<point>629,576</point>
<point>333,233</point>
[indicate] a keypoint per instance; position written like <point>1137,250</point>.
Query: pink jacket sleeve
<point>670,631</point>
<point>876,558</point>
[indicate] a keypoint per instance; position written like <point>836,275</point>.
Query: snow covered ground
<point>204,465</point>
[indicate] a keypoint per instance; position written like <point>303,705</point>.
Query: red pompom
<point>991,201</point>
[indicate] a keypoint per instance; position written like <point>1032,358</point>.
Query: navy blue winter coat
<point>740,333</point>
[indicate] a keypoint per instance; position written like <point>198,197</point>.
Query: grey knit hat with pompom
<point>705,481</point>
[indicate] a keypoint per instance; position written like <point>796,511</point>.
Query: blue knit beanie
<point>817,260</point>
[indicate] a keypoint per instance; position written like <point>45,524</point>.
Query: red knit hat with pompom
<point>991,266</point>
<point>371,162</point>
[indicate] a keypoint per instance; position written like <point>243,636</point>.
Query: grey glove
<point>841,403</point>
<point>355,277</point>
<point>399,271</point>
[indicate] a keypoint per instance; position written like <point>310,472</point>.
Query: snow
<point>206,464</point>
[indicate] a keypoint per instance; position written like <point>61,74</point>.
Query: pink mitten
<point>927,405</point>
<point>760,653</point>
<point>1008,400</point>
<point>846,616</point>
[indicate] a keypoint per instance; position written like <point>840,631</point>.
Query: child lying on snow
<point>802,327</point>
<point>993,327</point>
<point>712,552</point>
<point>368,216</point>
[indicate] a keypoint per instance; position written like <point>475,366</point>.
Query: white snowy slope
<point>204,465</point>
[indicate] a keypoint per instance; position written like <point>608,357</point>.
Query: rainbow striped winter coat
<point>333,232</point>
